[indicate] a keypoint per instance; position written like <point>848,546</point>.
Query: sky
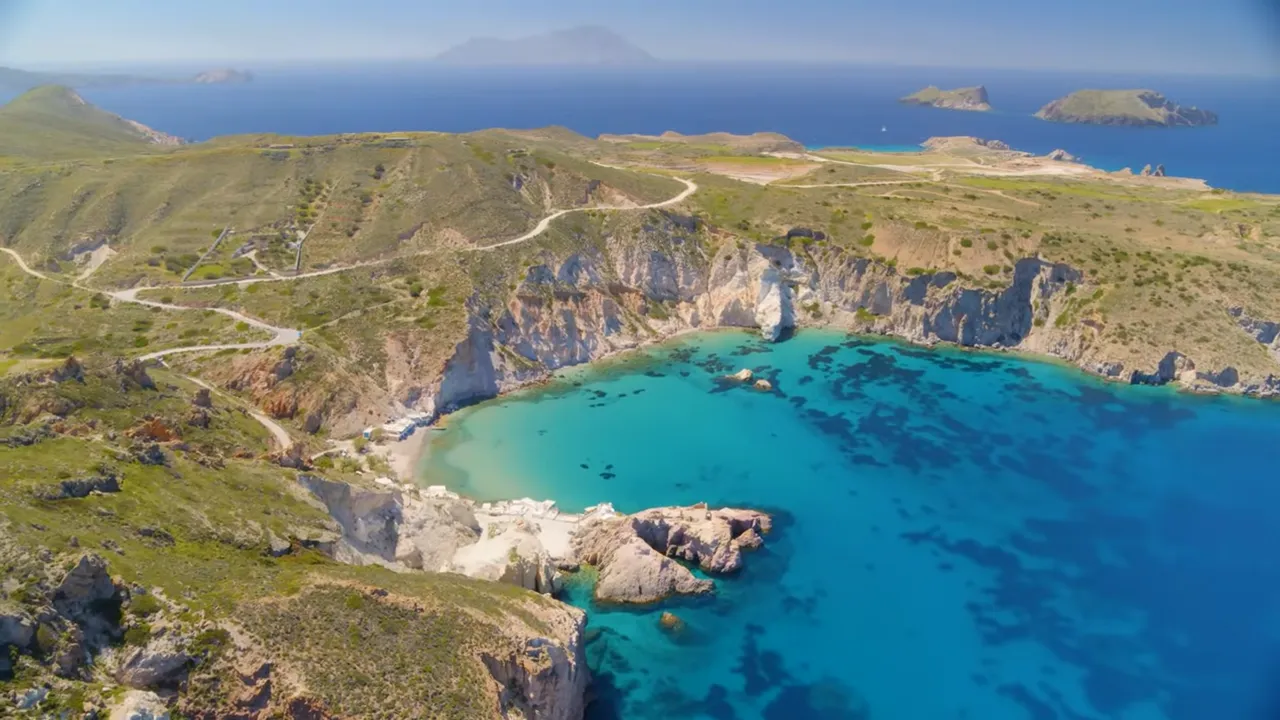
<point>1173,36</point>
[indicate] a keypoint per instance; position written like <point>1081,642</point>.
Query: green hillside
<point>53,122</point>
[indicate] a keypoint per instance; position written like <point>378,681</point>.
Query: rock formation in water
<point>968,98</point>
<point>637,554</point>
<point>1124,107</point>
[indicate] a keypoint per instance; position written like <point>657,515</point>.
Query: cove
<point>957,535</point>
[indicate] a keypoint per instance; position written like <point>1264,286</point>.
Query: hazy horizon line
<point>175,66</point>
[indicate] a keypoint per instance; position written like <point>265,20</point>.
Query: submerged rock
<point>671,622</point>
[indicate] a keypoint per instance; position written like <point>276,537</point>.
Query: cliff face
<point>585,305</point>
<point>544,678</point>
<point>539,669</point>
<point>588,306</point>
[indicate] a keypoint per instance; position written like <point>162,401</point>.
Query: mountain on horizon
<point>588,45</point>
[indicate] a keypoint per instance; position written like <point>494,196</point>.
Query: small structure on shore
<point>402,428</point>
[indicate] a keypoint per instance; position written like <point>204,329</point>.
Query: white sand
<point>403,454</point>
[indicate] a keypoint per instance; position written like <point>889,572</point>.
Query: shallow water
<point>959,535</point>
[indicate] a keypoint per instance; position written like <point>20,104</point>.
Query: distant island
<point>969,98</point>
<point>588,46</point>
<point>16,80</point>
<point>1124,107</point>
<point>223,76</point>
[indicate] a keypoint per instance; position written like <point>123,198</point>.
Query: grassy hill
<point>183,516</point>
<point>353,198</point>
<point>53,122</point>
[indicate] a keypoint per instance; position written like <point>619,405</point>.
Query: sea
<point>818,105</point>
<point>958,535</point>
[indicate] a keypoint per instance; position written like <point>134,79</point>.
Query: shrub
<point>991,269</point>
<point>46,639</point>
<point>138,635</point>
<point>144,605</point>
<point>966,242</point>
<point>868,241</point>
<point>209,644</point>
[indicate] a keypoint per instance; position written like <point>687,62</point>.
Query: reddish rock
<point>153,430</point>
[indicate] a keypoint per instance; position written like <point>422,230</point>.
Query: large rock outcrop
<point>88,597</point>
<point>509,552</point>
<point>636,554</point>
<point>400,530</point>
<point>162,662</point>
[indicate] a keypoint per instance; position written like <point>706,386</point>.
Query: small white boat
<point>884,129</point>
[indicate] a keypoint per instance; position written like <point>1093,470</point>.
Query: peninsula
<point>13,79</point>
<point>1124,107</point>
<point>969,98</point>
<point>203,385</point>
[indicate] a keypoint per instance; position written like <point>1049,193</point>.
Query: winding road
<point>288,336</point>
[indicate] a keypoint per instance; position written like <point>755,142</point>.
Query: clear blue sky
<point>1193,36</point>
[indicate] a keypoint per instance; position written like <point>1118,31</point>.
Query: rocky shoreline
<point>577,317</point>
<point>640,558</point>
<point>531,544</point>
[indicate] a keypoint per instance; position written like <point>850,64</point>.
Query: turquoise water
<point>958,535</point>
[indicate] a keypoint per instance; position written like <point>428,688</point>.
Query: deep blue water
<point>959,535</point>
<point>816,105</point>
